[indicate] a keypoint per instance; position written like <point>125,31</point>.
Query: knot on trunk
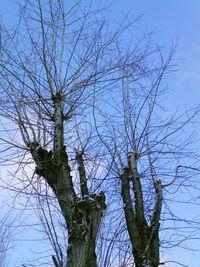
<point>85,215</point>
<point>43,160</point>
<point>57,97</point>
<point>40,155</point>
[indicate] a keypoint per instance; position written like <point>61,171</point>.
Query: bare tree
<point>53,65</point>
<point>152,160</point>
<point>68,84</point>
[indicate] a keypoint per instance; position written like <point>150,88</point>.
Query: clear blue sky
<point>176,21</point>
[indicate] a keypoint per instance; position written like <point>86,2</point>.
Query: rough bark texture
<point>82,214</point>
<point>86,219</point>
<point>144,236</point>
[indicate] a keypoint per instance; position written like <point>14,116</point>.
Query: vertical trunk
<point>80,255</point>
<point>82,215</point>
<point>146,247</point>
<point>144,237</point>
<point>148,258</point>
<point>82,237</point>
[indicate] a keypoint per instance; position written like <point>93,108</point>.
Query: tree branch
<point>82,174</point>
<point>137,188</point>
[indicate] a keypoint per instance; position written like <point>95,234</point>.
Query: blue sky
<point>175,21</point>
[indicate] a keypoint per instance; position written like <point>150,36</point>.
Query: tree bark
<point>82,238</point>
<point>144,237</point>
<point>82,214</point>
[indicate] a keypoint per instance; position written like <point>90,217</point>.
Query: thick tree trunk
<point>144,258</point>
<point>78,255</point>
<point>82,214</point>
<point>82,235</point>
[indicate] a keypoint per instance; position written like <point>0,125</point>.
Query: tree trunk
<point>82,214</point>
<point>144,237</point>
<point>144,258</point>
<point>83,231</point>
